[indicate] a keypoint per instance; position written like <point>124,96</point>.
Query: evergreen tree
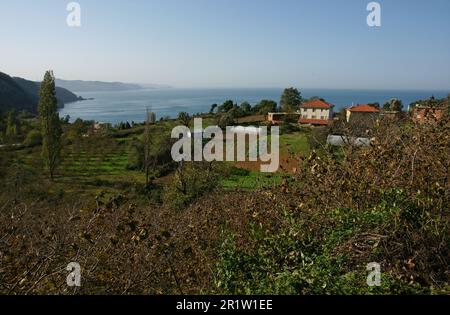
<point>264,107</point>
<point>246,108</point>
<point>50,124</point>
<point>226,106</point>
<point>290,100</point>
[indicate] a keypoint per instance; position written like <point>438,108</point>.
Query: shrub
<point>191,181</point>
<point>287,128</point>
<point>317,138</point>
<point>135,159</point>
<point>388,203</point>
<point>34,138</point>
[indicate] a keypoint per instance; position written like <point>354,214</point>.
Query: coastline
<point>116,106</point>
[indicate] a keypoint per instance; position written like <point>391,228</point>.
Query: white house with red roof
<point>362,112</point>
<point>316,113</point>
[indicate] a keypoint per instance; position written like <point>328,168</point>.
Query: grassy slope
<point>98,165</point>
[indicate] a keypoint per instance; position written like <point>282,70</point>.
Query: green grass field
<point>294,143</point>
<point>252,180</point>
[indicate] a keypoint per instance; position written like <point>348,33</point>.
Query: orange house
<point>362,113</point>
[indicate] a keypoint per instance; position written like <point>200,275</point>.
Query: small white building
<point>316,112</point>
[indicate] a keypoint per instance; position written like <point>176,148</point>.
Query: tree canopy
<point>264,107</point>
<point>226,106</point>
<point>393,105</point>
<point>290,100</point>
<point>184,118</point>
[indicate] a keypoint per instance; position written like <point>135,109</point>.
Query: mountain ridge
<point>102,86</point>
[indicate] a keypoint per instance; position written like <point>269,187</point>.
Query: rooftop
<point>363,109</point>
<point>323,122</point>
<point>317,104</point>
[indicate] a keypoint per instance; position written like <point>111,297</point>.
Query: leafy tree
<point>226,107</point>
<point>190,182</point>
<point>50,124</point>
<point>264,107</point>
<point>290,100</point>
<point>394,105</point>
<point>33,138</point>
<point>184,118</point>
<point>315,98</point>
<point>76,130</point>
<point>397,105</point>
<point>229,118</point>
<point>213,108</point>
<point>226,119</point>
<point>237,112</point>
<point>246,108</point>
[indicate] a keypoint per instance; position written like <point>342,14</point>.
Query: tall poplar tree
<point>50,124</point>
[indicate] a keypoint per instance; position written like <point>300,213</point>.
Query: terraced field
<point>89,167</point>
<point>98,165</point>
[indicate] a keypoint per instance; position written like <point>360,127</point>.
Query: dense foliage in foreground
<point>314,233</point>
<point>387,204</point>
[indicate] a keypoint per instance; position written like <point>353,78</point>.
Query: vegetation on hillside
<point>224,228</point>
<point>21,94</point>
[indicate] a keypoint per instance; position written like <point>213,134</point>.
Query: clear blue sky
<point>232,43</point>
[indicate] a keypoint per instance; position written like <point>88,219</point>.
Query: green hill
<point>12,95</point>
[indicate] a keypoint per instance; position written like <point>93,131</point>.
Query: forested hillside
<point>22,94</point>
<point>13,96</point>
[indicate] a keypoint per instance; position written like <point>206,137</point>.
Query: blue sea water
<point>117,106</point>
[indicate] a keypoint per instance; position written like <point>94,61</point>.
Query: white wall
<point>310,113</point>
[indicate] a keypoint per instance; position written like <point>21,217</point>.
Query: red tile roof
<point>317,104</point>
<point>322,122</point>
<point>364,109</point>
